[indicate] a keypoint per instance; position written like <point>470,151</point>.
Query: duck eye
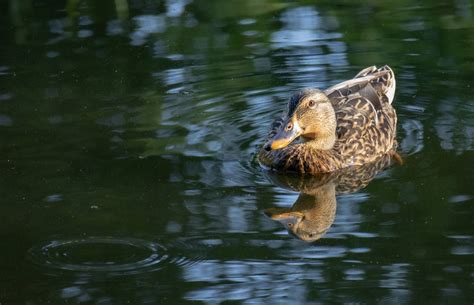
<point>311,103</point>
<point>289,126</point>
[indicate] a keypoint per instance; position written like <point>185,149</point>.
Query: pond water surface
<point>128,134</point>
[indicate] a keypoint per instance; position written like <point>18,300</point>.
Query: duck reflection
<point>314,211</point>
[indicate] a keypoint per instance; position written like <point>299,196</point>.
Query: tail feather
<point>382,79</point>
<point>389,82</point>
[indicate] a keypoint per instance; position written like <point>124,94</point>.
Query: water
<point>129,130</point>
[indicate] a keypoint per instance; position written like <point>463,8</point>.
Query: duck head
<point>310,118</point>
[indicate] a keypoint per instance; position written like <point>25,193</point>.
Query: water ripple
<point>111,256</point>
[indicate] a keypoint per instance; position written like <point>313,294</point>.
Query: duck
<point>349,124</point>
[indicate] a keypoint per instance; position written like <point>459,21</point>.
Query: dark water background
<point>128,129</point>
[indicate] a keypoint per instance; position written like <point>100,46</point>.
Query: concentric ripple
<point>106,255</point>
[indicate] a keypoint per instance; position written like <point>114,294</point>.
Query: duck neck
<point>322,134</point>
<point>322,143</point>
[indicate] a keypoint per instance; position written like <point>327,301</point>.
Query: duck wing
<point>365,118</point>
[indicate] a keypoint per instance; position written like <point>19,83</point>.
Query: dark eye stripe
<point>302,97</point>
<point>301,111</point>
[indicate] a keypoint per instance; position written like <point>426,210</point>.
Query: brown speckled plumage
<point>365,126</point>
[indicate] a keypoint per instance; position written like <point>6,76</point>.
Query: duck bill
<point>285,136</point>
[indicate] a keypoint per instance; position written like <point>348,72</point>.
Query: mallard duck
<point>349,124</point>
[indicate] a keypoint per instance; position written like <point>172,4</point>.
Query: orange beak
<point>287,134</point>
